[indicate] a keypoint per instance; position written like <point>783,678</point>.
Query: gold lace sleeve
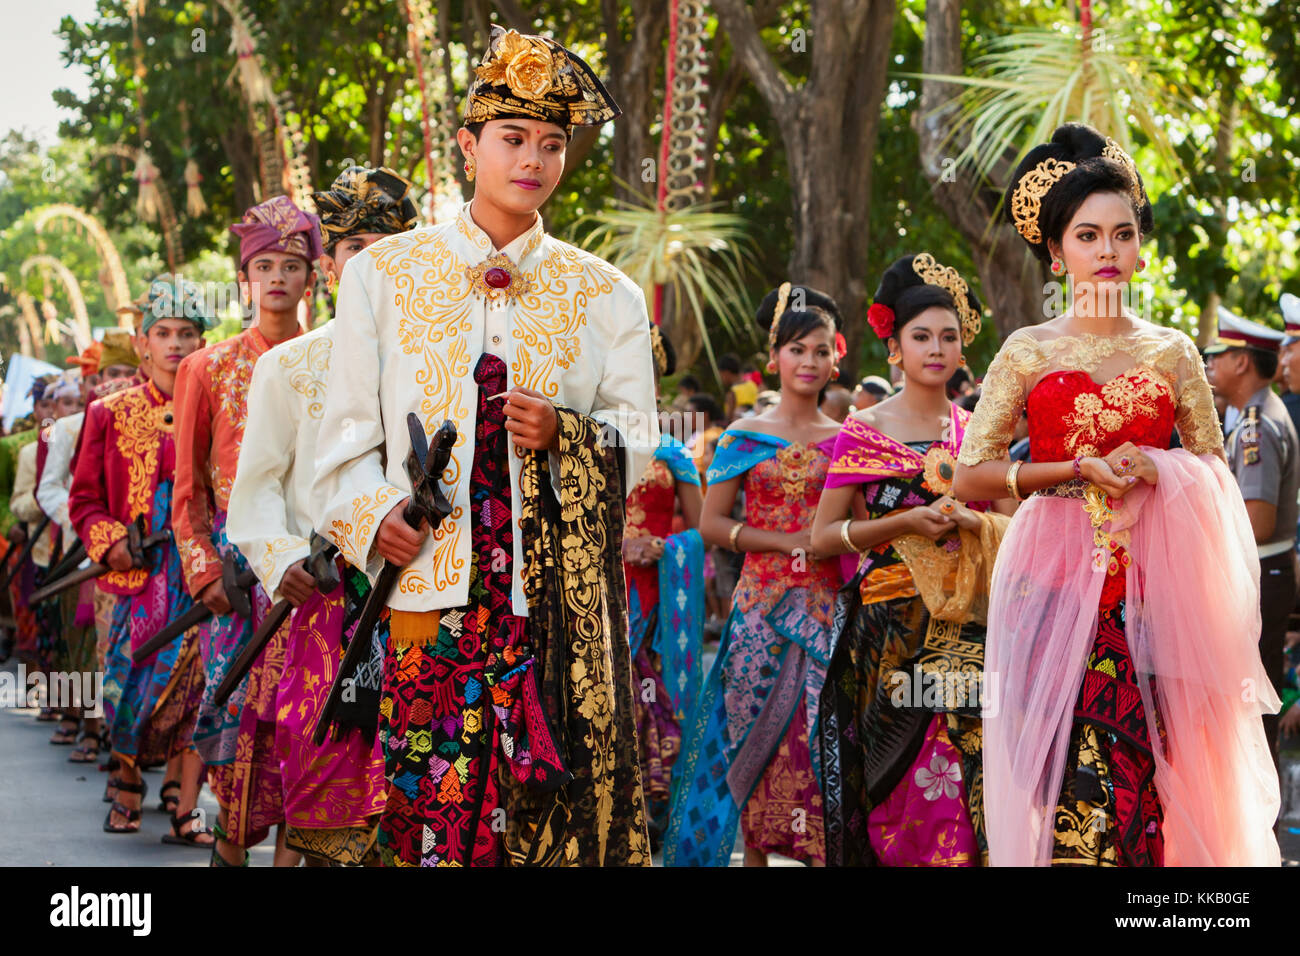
<point>1195,417</point>
<point>1002,398</point>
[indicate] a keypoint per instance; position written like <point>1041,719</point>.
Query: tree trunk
<point>635,82</point>
<point>1011,279</point>
<point>828,128</point>
<point>240,150</point>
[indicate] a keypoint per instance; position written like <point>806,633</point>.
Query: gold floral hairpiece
<point>657,347</point>
<point>782,296</point>
<point>950,280</point>
<point>1027,200</point>
<point>1116,152</point>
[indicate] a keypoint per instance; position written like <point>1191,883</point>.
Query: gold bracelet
<point>1012,486</point>
<point>844,536</point>
<point>735,533</point>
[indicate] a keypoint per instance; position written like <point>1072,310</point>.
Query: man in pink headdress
<point>278,244</point>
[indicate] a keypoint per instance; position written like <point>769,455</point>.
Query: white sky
<point>30,66</point>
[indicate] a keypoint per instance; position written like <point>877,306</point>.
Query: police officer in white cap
<point>1264,455</point>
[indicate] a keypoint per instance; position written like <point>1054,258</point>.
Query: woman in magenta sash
<point>900,710</point>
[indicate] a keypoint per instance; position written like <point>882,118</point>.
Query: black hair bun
<point>802,298</point>
<point>907,294</point>
<point>1099,165</point>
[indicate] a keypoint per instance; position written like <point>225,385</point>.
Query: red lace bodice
<point>1071,416</point>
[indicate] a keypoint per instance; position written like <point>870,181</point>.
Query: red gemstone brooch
<point>497,278</point>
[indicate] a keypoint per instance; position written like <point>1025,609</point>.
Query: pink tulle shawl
<point>1192,622</point>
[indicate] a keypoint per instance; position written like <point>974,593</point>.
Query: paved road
<point>51,813</point>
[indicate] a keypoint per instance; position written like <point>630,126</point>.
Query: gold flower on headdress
<point>1027,199</point>
<point>524,64</point>
<point>1116,152</point>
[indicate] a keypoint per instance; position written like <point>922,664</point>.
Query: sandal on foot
<point>217,859</point>
<point>132,816</point>
<point>168,803</point>
<point>64,737</point>
<point>191,838</point>
<point>87,750</point>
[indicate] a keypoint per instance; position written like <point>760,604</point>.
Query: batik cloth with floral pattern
<point>665,618</point>
<point>746,751</point>
<point>237,740</point>
<point>577,626</point>
<point>900,710</point>
<point>460,708</point>
<point>155,716</point>
<point>334,792</point>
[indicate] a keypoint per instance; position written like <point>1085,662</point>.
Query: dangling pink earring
<point>771,365</point>
<point>1141,264</point>
<point>1058,267</point>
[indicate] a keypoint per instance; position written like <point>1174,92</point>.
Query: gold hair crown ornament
<point>1027,200</point>
<point>1116,152</point>
<point>950,280</point>
<point>782,296</point>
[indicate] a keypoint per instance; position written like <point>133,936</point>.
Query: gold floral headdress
<point>950,280</point>
<point>1116,152</point>
<point>534,77</point>
<point>782,297</point>
<point>1027,200</point>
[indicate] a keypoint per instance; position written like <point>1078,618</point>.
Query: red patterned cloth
<point>460,693</point>
<point>1111,772</point>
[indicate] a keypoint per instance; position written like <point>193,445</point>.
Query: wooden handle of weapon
<point>195,615</point>
<point>244,662</point>
<point>358,648</point>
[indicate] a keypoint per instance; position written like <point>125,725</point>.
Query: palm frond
<point>698,255</point>
<point>1031,81</point>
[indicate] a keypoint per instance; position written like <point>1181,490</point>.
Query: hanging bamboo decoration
<point>681,145</point>
<point>427,56</point>
<point>117,287</point>
<point>282,146</point>
<point>79,329</point>
<point>194,204</point>
<point>31,325</point>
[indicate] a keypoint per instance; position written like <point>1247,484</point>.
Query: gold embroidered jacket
<point>211,412</point>
<point>126,450</point>
<point>410,327</point>
<point>268,518</point>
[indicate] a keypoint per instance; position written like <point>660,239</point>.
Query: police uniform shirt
<point>1262,451</point>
